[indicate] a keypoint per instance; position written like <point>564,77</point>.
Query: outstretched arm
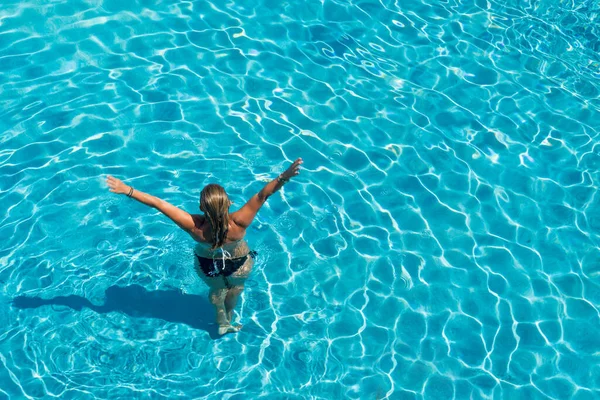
<point>245,215</point>
<point>183,219</point>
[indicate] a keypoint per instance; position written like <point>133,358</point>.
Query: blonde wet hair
<point>215,204</point>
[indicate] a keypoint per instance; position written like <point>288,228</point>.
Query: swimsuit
<point>212,267</point>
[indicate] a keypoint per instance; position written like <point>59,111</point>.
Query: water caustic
<point>441,243</point>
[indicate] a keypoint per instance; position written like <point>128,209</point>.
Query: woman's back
<point>234,244</point>
<point>235,249</point>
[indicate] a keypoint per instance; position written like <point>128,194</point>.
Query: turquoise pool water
<point>441,242</point>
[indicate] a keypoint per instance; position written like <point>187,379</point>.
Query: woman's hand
<point>293,170</point>
<point>116,186</point>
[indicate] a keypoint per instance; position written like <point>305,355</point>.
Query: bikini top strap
<point>223,252</point>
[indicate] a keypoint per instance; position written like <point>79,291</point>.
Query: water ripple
<point>441,243</point>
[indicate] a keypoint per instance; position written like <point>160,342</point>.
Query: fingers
<point>295,167</point>
<point>112,183</point>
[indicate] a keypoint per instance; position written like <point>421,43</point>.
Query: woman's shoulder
<point>198,220</point>
<point>236,232</point>
<point>199,226</point>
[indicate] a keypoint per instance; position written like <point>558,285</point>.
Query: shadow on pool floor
<point>136,301</point>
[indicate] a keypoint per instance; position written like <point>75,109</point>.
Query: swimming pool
<point>442,241</point>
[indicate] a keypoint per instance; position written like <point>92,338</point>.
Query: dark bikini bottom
<point>216,267</point>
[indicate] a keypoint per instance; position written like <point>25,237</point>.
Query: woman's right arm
<point>183,219</point>
<point>245,215</point>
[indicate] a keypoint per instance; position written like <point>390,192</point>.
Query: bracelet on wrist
<point>282,180</point>
<point>130,191</point>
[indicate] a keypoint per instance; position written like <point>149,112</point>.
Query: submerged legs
<point>224,294</point>
<point>224,301</point>
<point>231,300</point>
<point>217,299</point>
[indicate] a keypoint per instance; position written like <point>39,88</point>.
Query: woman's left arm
<point>182,218</point>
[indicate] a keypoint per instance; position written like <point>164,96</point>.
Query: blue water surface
<point>440,243</point>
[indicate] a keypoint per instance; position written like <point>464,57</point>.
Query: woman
<point>222,258</point>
